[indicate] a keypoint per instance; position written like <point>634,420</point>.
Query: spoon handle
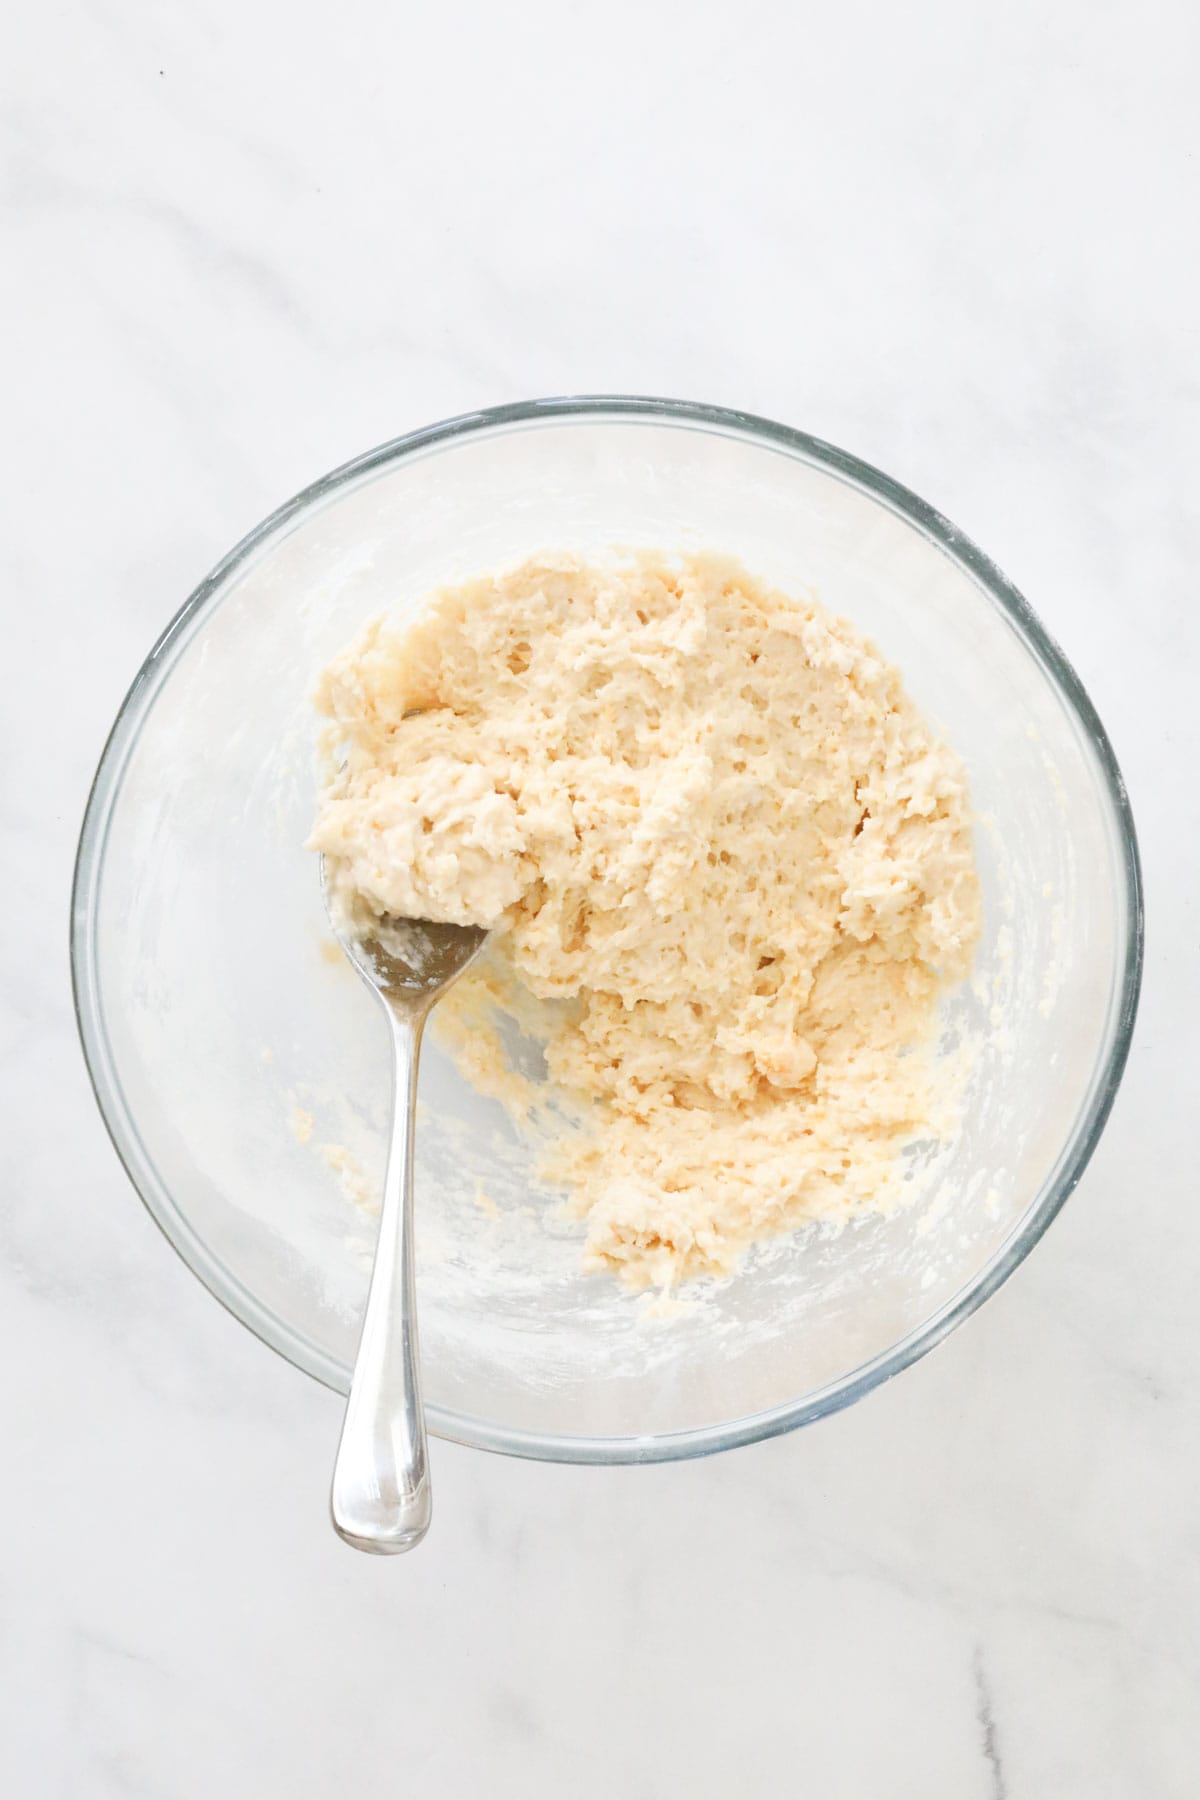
<point>380,1500</point>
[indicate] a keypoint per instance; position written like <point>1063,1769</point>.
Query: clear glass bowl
<point>214,1020</point>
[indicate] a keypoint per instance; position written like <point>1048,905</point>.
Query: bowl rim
<point>105,789</point>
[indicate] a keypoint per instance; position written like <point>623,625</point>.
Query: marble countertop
<point>242,245</point>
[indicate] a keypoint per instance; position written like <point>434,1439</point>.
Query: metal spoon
<point>380,1499</point>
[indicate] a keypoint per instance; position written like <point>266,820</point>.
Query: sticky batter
<point>728,867</point>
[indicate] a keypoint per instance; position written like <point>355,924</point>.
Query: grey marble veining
<point>239,247</point>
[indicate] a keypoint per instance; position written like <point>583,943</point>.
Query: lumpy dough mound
<point>705,821</point>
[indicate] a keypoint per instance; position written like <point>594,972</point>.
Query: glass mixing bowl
<point>242,1070</point>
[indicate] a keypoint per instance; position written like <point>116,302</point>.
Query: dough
<point>709,828</point>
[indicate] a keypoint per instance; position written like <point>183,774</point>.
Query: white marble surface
<point>241,244</point>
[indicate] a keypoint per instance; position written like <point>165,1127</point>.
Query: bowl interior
<point>243,1069</point>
